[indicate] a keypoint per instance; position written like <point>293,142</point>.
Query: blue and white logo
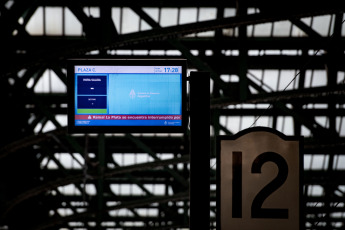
<point>132,94</point>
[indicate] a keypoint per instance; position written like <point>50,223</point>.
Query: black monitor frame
<point>73,128</point>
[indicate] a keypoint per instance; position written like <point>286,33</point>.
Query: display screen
<point>126,95</point>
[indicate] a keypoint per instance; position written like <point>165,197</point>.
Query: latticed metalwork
<point>274,64</point>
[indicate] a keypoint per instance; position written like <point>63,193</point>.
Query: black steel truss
<point>34,179</point>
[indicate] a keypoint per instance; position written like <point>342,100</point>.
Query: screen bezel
<point>72,128</point>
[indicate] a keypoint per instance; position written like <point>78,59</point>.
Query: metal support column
<point>199,151</point>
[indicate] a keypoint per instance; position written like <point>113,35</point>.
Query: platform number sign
<point>259,181</point>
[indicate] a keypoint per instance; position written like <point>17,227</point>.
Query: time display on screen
<point>171,70</point>
<point>167,69</point>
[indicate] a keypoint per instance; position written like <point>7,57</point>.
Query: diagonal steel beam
<point>9,205</point>
<point>166,33</point>
<point>148,150</point>
<point>9,17</point>
<point>127,205</point>
<point>196,61</point>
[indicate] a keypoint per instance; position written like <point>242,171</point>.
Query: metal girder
<point>304,96</point>
<point>75,178</point>
<point>40,53</point>
<point>195,61</point>
<point>162,34</point>
<point>130,204</point>
<point>193,43</point>
<point>9,17</point>
<point>182,181</point>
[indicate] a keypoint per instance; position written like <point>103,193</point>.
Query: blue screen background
<point>144,94</point>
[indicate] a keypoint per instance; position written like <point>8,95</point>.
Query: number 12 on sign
<point>257,211</point>
<point>258,181</point>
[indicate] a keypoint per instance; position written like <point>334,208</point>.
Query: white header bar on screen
<point>127,69</point>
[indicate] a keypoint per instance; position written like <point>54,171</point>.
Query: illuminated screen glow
<point>143,96</point>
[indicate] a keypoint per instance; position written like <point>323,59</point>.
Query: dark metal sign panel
<point>259,181</point>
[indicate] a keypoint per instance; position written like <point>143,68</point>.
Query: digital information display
<point>133,96</point>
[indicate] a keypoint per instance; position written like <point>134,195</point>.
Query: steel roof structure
<point>271,63</point>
